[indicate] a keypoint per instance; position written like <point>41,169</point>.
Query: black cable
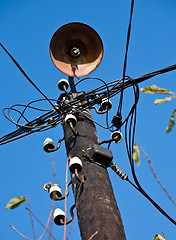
<point>16,110</point>
<point>16,138</point>
<point>153,74</point>
<point>116,87</point>
<point>89,104</point>
<point>82,112</point>
<point>26,76</point>
<point>80,108</point>
<point>114,91</point>
<point>23,129</point>
<point>67,107</point>
<point>29,125</point>
<point>129,146</point>
<point>110,84</point>
<point>48,114</point>
<point>21,113</point>
<point>125,59</point>
<point>28,105</point>
<point>99,79</point>
<point>107,123</point>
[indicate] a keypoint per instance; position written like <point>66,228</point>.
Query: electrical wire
<point>107,124</point>
<point>23,129</point>
<point>125,59</point>
<point>81,107</point>
<point>107,93</point>
<point>129,140</point>
<point>39,109</point>
<point>82,111</point>
<point>115,85</point>
<point>27,126</point>
<point>26,76</point>
<point>21,136</point>
<point>16,110</point>
<point>64,108</point>
<point>22,114</point>
<point>153,74</point>
<point>95,78</point>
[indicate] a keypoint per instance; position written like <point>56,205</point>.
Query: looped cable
<point>71,218</point>
<point>66,192</point>
<point>58,146</point>
<point>99,112</point>
<point>79,178</point>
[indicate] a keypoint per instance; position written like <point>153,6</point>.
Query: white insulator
<point>55,192</point>
<point>63,82</point>
<point>48,144</point>
<point>106,104</point>
<point>59,216</point>
<point>75,163</point>
<point>116,136</point>
<point>71,118</point>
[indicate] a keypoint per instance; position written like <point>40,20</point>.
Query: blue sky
<point>26,28</point>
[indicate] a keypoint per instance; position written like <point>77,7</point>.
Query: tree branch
<point>53,203</point>
<point>32,223</point>
<point>164,235</point>
<point>19,232</point>
<point>53,169</point>
<point>155,175</point>
<point>66,177</point>
<point>40,223</point>
<point>49,218</point>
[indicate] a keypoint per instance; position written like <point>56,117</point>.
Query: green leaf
<point>155,89</point>
<point>158,101</point>
<point>158,237</point>
<point>15,202</point>
<point>136,154</point>
<point>171,123</point>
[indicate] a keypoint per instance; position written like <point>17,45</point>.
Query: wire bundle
<point>61,109</point>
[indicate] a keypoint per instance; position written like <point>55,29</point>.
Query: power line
<point>125,59</point>
<point>115,89</point>
<point>129,140</point>
<point>26,76</point>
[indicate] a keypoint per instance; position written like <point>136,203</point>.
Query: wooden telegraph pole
<point>76,50</point>
<point>97,210</point>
